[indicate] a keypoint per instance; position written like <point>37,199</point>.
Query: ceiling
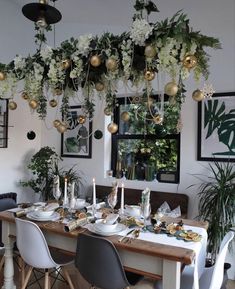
<point>103,12</point>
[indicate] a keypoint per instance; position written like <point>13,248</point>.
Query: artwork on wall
<point>216,128</point>
<point>76,141</point>
<point>3,123</point>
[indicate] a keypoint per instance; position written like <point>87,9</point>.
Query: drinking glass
<point>56,193</point>
<point>145,211</point>
<point>112,200</point>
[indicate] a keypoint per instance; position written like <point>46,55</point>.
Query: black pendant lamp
<point>42,13</point>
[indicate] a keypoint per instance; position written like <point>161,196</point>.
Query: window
<point>141,148</point>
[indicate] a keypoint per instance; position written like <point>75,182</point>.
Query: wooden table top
<point>179,254</point>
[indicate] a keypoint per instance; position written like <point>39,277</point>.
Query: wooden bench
<point>133,196</point>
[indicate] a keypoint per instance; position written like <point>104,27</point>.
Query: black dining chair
<point>99,263</point>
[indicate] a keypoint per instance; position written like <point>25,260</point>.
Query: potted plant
<point>44,167</point>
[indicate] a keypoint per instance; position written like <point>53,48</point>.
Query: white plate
<point>33,216</point>
<point>119,228</point>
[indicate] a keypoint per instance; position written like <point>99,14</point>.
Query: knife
<point>127,234</point>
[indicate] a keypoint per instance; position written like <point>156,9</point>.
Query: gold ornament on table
<point>158,119</point>
<point>171,88</point>
<point>33,103</point>
<point>99,86</point>
<point>81,119</point>
<point>12,105</point>
<point>108,111</point>
<point>112,127</point>
<point>66,63</point>
<point>189,61</point>
<point>149,75</point>
<point>57,91</point>
<point>150,51</point>
<point>2,76</point>
<point>95,60</point>
<point>198,95</point>
<point>111,64</point>
<point>125,116</point>
<point>24,95</point>
<point>53,103</point>
<point>62,128</point>
<point>56,123</point>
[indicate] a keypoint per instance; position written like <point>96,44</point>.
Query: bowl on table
<point>103,226</point>
<point>44,213</point>
<point>133,210</point>
<point>80,203</point>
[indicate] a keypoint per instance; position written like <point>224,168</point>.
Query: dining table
<point>152,255</point>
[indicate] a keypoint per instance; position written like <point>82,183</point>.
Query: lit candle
<point>122,198</point>
<point>65,191</point>
<point>94,194</point>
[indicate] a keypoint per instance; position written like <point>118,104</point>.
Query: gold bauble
<point>66,63</point>
<point>125,116</point>
<point>149,75</point>
<point>171,88</point>
<point>99,86</point>
<point>53,103</point>
<point>12,105</point>
<point>56,123</point>
<point>81,119</point>
<point>111,64</point>
<point>107,111</point>
<point>198,95</point>
<point>95,60</point>
<point>150,51</point>
<point>189,61</point>
<point>112,127</point>
<point>33,103</point>
<point>24,95</point>
<point>158,119</point>
<point>61,128</point>
<point>58,91</point>
<point>2,75</point>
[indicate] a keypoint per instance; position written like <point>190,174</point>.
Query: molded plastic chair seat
<point>99,263</point>
<point>34,251</point>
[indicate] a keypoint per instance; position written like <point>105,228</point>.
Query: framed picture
<point>3,123</point>
<point>216,128</point>
<point>76,142</point>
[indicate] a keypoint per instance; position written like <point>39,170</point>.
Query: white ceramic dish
<point>119,228</point>
<point>133,210</point>
<point>105,227</point>
<point>32,216</point>
<point>44,213</point>
<point>81,204</point>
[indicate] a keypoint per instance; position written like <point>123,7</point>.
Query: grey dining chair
<point>99,263</point>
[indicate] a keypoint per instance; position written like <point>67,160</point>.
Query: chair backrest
<point>32,245</point>
<point>99,263</point>
<point>218,272</point>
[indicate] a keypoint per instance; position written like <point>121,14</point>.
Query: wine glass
<point>56,193</point>
<point>112,200</point>
<point>145,211</point>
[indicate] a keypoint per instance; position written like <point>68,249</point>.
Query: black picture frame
<point>3,123</point>
<point>76,142</point>
<point>216,128</point>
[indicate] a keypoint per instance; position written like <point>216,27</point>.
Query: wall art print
<point>216,128</point>
<point>76,142</point>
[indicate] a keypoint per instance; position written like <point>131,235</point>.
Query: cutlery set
<point>132,234</point>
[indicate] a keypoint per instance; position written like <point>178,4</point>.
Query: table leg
<point>8,268</point>
<point>171,274</point>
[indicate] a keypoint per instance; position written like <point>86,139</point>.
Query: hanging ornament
<point>189,61</point>
<point>99,86</point>
<point>158,119</point>
<point>149,75</point>
<point>95,60</point>
<point>53,103</point>
<point>56,123</point>
<point>107,111</point>
<point>198,95</point>
<point>24,95</point>
<point>208,90</point>
<point>125,116</point>
<point>150,51</point>
<point>61,128</point>
<point>66,63</point>
<point>98,134</point>
<point>58,91</point>
<point>171,88</point>
<point>33,103</point>
<point>2,76</point>
<point>111,64</point>
<point>112,127</point>
<point>81,119</point>
<point>12,105</point>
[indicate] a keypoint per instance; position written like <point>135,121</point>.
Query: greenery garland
<point>97,64</point>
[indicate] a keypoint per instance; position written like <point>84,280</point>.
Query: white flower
<point>19,62</point>
<point>83,45</point>
<point>46,52</point>
<point>140,31</point>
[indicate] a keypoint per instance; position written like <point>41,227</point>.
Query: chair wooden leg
<point>66,274</point>
<point>47,280</point>
<point>26,280</point>
<point>2,262</point>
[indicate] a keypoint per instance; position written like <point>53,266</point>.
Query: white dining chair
<point>212,277</point>
<point>35,252</point>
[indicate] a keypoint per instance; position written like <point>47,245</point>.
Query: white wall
<point>213,17</point>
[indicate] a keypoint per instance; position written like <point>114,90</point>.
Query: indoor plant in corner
<point>44,167</point>
<point>217,205</point>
